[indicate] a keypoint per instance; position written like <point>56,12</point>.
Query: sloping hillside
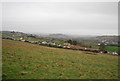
<point>29,61</point>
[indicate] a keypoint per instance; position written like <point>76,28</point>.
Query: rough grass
<point>29,61</point>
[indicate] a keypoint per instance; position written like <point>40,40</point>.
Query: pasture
<point>112,48</point>
<point>23,60</point>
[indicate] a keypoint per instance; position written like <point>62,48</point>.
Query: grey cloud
<point>64,17</point>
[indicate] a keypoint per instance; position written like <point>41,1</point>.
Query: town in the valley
<point>101,42</point>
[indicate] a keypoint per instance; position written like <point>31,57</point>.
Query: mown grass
<point>29,61</point>
<point>112,48</point>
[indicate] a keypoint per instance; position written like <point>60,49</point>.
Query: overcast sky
<point>81,18</point>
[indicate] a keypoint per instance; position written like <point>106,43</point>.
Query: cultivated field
<point>29,61</point>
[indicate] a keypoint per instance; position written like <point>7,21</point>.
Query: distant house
<point>66,44</point>
<point>44,42</point>
<point>34,42</point>
<point>101,52</point>
<point>51,43</point>
<point>59,46</point>
<point>21,38</point>
<point>112,53</point>
<point>31,42</point>
<point>98,44</point>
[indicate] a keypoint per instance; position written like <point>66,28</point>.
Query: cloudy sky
<point>81,18</point>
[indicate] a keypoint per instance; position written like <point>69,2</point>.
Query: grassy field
<point>29,61</point>
<point>112,48</point>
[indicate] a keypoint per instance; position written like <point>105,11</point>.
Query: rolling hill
<point>29,61</point>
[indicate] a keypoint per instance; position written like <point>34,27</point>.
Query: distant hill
<point>109,38</point>
<point>83,39</point>
<point>58,36</point>
<point>13,33</point>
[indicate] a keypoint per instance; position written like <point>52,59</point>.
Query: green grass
<point>112,48</point>
<point>29,61</point>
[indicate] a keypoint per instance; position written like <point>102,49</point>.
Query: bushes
<point>72,42</point>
